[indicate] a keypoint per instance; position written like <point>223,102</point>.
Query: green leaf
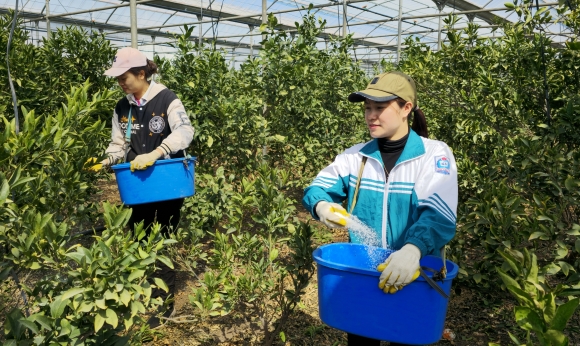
<point>563,314</point>
<point>512,261</point>
<point>282,336</point>
<point>30,325</point>
<point>573,45</point>
<point>42,320</point>
<point>549,308</point>
<point>161,284</point>
<point>273,254</point>
<point>125,297</point>
<point>100,318</point>
<point>509,5</point>
<point>166,261</point>
<point>528,319</point>
<point>111,318</point>
<point>136,274</point>
<point>72,292</point>
<point>522,296</point>
<point>571,184</point>
<point>209,141</point>
<point>556,337</point>
<point>575,230</point>
<point>57,307</point>
<point>507,280</point>
<point>4,190</point>
<point>537,235</point>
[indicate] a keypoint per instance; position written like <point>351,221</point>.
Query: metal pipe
<point>254,15</point>
<point>439,32</point>
<point>47,6</point>
<point>264,15</point>
<point>133,11</point>
<point>400,19</point>
<point>65,14</point>
<point>344,6</point>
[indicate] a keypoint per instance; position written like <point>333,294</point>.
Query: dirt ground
<point>473,317</point>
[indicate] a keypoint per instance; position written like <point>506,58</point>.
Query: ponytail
<point>149,69</point>
<point>419,123</point>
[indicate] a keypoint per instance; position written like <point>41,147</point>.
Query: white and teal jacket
<point>417,204</point>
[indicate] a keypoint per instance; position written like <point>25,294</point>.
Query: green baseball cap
<point>386,87</point>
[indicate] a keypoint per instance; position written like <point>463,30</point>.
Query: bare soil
<point>473,318</point>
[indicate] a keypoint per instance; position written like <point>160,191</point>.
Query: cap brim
<point>116,71</point>
<point>371,94</point>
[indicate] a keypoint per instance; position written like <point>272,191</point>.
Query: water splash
<point>367,236</point>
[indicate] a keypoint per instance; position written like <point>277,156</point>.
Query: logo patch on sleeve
<point>442,165</point>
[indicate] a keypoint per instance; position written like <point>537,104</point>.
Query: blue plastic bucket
<point>350,300</point>
<point>165,180</point>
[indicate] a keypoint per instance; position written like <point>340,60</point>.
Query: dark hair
<point>149,69</point>
<point>419,124</point>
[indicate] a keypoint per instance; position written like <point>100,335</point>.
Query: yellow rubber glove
<point>91,167</point>
<point>145,160</point>
<point>332,215</point>
<point>400,269</point>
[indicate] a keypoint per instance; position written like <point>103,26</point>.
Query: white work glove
<point>145,160</point>
<point>400,269</point>
<point>332,215</point>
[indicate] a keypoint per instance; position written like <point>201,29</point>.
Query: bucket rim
<point>127,165</point>
<point>317,256</point>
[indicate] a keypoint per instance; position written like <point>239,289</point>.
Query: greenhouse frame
<point>379,28</point>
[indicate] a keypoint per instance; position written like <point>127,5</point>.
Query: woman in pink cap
<point>160,129</point>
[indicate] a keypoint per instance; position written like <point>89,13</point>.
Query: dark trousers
<point>357,340</point>
<point>166,213</point>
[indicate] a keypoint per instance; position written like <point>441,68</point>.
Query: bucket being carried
<point>165,180</point>
<point>350,300</point>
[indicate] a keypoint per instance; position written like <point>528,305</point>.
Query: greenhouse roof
<point>234,25</point>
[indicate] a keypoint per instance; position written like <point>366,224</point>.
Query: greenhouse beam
<point>249,17</point>
<point>66,14</point>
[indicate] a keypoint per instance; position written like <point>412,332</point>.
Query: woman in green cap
<point>406,184</point>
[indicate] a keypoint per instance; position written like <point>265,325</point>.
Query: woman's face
<point>132,84</point>
<point>387,119</point>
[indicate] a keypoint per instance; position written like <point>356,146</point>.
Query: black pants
<point>167,214</point>
<point>357,340</point>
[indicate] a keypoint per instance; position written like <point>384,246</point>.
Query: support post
<point>400,20</point>
<point>265,108</point>
<point>199,18</point>
<point>251,40</point>
<point>37,33</point>
<point>344,6</point>
<point>133,11</point>
<point>47,6</point>
<point>440,6</point>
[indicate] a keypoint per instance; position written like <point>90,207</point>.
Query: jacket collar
<point>152,91</point>
<point>414,148</point>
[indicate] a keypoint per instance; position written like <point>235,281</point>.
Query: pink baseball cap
<point>125,59</point>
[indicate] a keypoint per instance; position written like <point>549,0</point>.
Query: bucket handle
<point>437,275</point>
